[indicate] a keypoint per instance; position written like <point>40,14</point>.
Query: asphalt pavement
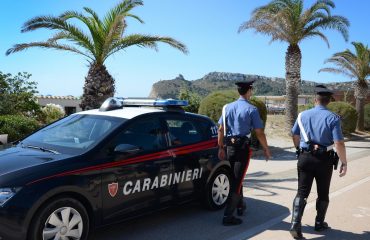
<point>269,189</point>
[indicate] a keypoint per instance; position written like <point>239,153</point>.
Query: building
<point>348,96</point>
<point>70,104</point>
<point>279,101</point>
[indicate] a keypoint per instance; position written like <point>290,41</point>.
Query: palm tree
<point>105,37</point>
<point>287,21</point>
<point>356,66</point>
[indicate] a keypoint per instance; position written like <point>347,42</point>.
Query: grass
<point>275,127</point>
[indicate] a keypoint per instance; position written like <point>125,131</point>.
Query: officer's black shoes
<point>241,209</point>
<point>296,230</point>
<point>230,221</point>
<point>321,226</point>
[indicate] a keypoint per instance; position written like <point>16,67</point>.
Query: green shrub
<point>17,126</point>
<point>347,114</point>
<point>192,98</point>
<point>261,108</point>
<point>211,105</point>
<point>367,116</point>
<point>52,112</point>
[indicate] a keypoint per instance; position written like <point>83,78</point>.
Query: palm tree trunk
<point>361,95</point>
<point>99,85</point>
<point>292,79</point>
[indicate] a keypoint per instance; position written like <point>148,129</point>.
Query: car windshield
<point>74,134</point>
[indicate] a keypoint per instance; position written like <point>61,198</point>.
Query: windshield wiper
<point>40,148</point>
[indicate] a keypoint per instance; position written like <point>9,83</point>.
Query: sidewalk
<point>276,182</point>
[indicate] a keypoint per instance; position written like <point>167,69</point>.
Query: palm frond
<point>94,30</point>
<point>321,35</point>
<point>104,37</point>
<point>354,64</point>
<point>286,20</point>
<point>146,41</point>
<point>49,45</point>
<point>337,71</point>
<point>122,8</point>
<point>94,15</point>
<point>48,22</point>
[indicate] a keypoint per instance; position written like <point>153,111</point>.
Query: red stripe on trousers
<point>245,171</point>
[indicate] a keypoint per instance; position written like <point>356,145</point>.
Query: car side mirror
<point>126,149</point>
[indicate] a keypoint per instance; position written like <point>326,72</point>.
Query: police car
<point>97,167</point>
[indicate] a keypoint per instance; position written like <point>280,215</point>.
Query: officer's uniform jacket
<point>241,117</point>
<point>321,126</point>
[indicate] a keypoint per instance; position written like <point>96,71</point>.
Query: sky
<point>207,27</point>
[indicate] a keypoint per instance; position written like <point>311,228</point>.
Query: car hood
<point>17,158</point>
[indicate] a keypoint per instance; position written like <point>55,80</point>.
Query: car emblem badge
<point>113,189</point>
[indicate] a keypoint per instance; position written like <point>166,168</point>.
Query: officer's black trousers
<point>239,158</point>
<point>318,167</point>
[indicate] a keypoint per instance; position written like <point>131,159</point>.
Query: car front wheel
<point>63,218</point>
<point>218,189</point>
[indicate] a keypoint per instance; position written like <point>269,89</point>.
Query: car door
<point>138,181</point>
<point>191,145</point>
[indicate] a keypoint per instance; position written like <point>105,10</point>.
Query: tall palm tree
<point>356,66</point>
<point>287,21</point>
<point>104,37</point>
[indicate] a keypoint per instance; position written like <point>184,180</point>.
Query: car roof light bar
<point>116,103</point>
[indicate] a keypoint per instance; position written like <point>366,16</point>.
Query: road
<point>269,188</point>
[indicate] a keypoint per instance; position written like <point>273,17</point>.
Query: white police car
<point>97,167</point>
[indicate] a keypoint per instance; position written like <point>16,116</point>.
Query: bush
<point>192,98</point>
<point>52,112</point>
<point>347,114</point>
<point>17,126</point>
<point>367,116</point>
<point>18,95</point>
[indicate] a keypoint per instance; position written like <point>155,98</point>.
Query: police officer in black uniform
<point>236,123</point>
<point>316,133</point>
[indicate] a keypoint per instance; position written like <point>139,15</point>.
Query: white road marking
<point>260,228</point>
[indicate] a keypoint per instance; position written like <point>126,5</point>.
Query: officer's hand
<point>342,170</point>
<point>221,154</point>
<point>267,153</point>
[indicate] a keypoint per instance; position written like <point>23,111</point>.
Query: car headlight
<point>6,194</point>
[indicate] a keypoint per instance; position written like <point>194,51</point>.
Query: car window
<point>184,131</point>
<point>74,134</point>
<point>147,134</point>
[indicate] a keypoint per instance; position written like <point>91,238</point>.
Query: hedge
<point>347,114</point>
<point>17,126</point>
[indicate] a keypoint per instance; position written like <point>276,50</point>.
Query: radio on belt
<point>118,102</point>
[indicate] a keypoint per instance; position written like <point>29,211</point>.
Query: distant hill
<point>216,81</point>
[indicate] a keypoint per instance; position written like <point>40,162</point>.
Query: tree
<point>192,98</point>
<point>105,37</point>
<point>18,95</point>
<point>356,66</point>
<point>287,21</point>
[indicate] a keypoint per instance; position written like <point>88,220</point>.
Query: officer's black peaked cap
<point>323,90</point>
<point>244,83</point>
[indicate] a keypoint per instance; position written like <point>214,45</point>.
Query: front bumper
<point>10,228</point>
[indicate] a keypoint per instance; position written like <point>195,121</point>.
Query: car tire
<point>218,189</point>
<point>63,217</point>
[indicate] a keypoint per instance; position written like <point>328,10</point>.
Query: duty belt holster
<point>237,141</point>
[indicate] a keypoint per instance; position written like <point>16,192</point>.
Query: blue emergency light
<point>116,103</point>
